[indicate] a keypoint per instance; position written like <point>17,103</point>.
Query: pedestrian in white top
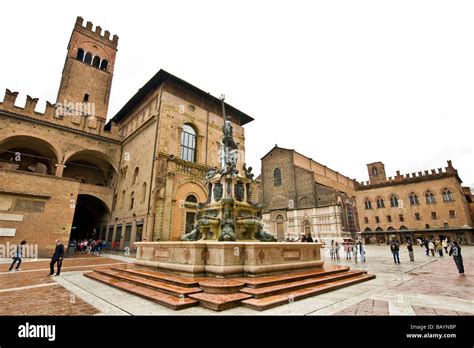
<point>362,252</point>
<point>431,247</point>
<point>445,245</point>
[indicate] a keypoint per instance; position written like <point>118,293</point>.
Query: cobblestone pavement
<point>428,286</point>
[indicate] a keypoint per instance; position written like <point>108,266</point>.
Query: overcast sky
<point>343,82</point>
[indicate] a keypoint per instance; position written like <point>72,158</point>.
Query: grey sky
<point>344,82</point>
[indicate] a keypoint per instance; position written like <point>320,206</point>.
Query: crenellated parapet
<point>76,117</point>
<point>412,177</point>
<point>96,33</point>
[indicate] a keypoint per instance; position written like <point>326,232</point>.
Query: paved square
<point>428,286</point>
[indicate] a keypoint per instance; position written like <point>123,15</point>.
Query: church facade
<point>68,173</point>
<point>303,197</point>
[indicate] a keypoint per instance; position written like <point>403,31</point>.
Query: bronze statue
<point>194,235</point>
<point>227,227</point>
<point>263,236</point>
<point>228,138</point>
<point>248,172</point>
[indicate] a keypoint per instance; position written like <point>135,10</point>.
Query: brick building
<point>69,173</point>
<point>301,196</point>
<point>428,204</point>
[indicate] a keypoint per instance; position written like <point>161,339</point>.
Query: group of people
<point>88,245</point>
<point>57,258</point>
<point>352,251</point>
<point>303,239</point>
<point>430,248</point>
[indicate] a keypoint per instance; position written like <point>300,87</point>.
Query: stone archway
<point>90,212</point>
<point>29,154</point>
<point>90,167</point>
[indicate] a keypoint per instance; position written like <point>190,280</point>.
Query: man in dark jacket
<point>455,252</point>
<point>395,248</point>
<point>57,257</point>
<point>17,256</point>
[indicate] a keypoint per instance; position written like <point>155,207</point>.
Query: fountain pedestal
<point>228,259</point>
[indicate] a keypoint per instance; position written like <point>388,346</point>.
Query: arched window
<point>191,199</point>
<point>430,197</point>
<point>104,64</point>
<point>452,214</point>
<point>403,228</point>
<point>304,202</point>
<point>368,204</point>
<point>96,61</point>
<point>366,220</point>
<point>417,216</point>
<point>379,229</point>
<point>135,175</point>
<point>390,229</point>
<point>123,199</point>
<point>132,199</point>
<point>367,230</point>
<point>393,201</point>
<point>143,192</point>
<point>413,199</point>
<point>447,195</point>
<point>80,54</point>
<point>380,202</point>
<point>277,177</point>
<point>88,58</point>
<point>375,172</point>
<point>188,143</point>
<point>434,215</point>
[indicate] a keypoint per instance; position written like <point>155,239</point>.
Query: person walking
<point>395,248</point>
<point>17,256</point>
<point>455,252</point>
<point>336,251</point>
<point>426,244</point>
<point>331,250</point>
<point>57,258</point>
<point>410,250</point>
<point>347,248</point>
<point>355,252</point>
<point>439,247</point>
<point>362,252</point>
<point>445,245</point>
<point>431,247</point>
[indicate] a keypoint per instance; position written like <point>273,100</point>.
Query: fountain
<point>228,237</point>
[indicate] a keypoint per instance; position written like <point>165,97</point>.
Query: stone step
<point>299,284</point>
<point>159,297</point>
<point>161,276</point>
<point>259,282</point>
<point>167,288</point>
<point>295,295</point>
<point>220,302</point>
<point>221,286</point>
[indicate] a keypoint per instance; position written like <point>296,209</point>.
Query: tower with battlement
<point>88,71</point>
